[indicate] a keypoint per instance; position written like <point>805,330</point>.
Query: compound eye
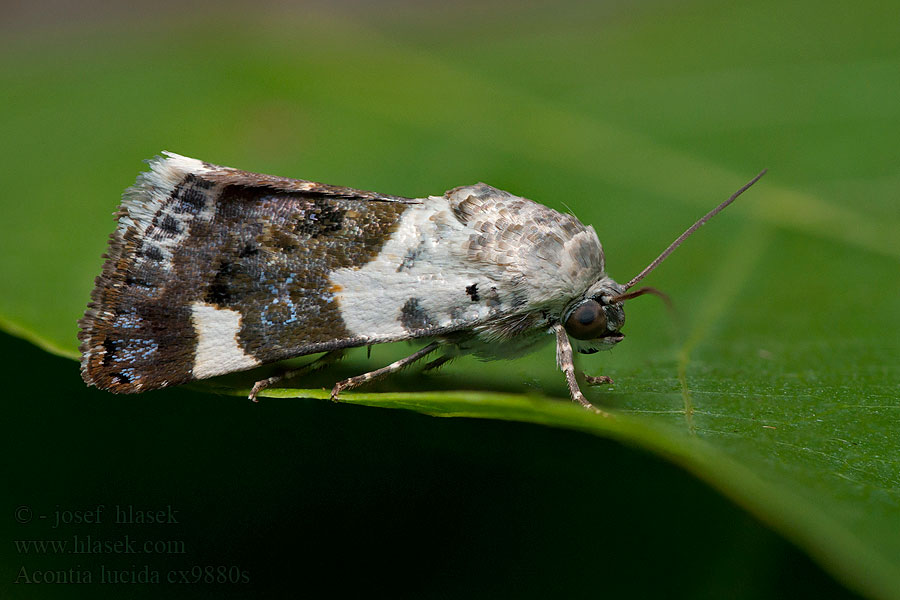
<point>587,321</point>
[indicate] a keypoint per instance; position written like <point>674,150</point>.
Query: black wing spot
<point>413,317</point>
<point>472,291</point>
<point>192,199</point>
<point>219,290</point>
<point>323,219</point>
<point>248,250</point>
<point>109,351</point>
<point>120,378</point>
<point>170,225</point>
<point>152,252</point>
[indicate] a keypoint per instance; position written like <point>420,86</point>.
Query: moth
<point>213,270</point>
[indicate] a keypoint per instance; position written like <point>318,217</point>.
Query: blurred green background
<point>777,385</point>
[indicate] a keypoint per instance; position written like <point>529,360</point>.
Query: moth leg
<point>438,363</point>
<point>566,362</point>
<point>322,361</point>
<point>352,382</point>
<point>597,379</point>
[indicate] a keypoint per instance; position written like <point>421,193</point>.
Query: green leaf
<point>777,383</point>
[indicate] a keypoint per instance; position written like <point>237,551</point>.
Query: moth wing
<point>213,270</point>
<point>479,266</point>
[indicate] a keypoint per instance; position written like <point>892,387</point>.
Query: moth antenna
<point>665,254</point>
<point>641,292</point>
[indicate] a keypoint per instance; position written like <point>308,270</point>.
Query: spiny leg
<point>352,382</point>
<point>322,361</point>
<point>438,363</point>
<point>566,362</point>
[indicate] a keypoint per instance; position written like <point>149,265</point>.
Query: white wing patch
<point>423,266</point>
<point>218,350</point>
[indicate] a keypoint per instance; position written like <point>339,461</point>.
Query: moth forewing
<point>214,270</point>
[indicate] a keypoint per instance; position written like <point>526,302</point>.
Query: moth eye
<point>587,321</point>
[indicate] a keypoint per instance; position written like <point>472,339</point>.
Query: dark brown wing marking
<point>256,244</point>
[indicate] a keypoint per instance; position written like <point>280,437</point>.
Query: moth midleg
<point>566,362</point>
<point>319,363</point>
<point>597,379</point>
<point>352,382</point>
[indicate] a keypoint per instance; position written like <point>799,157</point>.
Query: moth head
<point>594,320</point>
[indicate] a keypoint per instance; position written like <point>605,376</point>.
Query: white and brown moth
<point>213,270</point>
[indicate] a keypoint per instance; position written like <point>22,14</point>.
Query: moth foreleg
<point>321,362</point>
<point>352,382</point>
<point>566,362</point>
